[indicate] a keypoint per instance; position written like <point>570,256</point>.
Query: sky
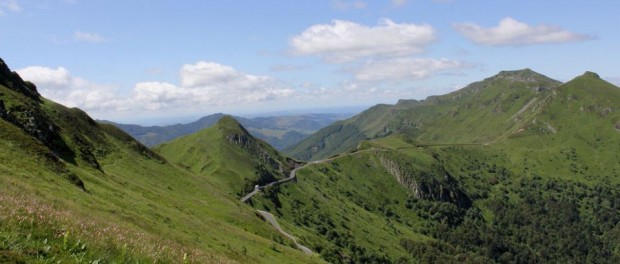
<point>158,62</point>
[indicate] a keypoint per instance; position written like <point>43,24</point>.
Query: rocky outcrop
<point>424,185</point>
<point>13,81</point>
<point>269,164</point>
<point>244,140</point>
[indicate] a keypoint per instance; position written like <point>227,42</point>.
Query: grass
<point>462,177</point>
<point>352,202</point>
<point>134,205</point>
<point>479,113</point>
<point>228,156</point>
<point>556,145</point>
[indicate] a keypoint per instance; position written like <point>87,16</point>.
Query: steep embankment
<point>72,189</point>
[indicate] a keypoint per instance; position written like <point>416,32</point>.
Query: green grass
<point>134,205</point>
<point>228,156</point>
<point>521,157</point>
<point>479,113</point>
<point>501,171</point>
<point>352,202</point>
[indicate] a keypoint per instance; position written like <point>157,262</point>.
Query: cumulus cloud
<point>203,85</point>
<point>9,5</point>
<point>209,83</point>
<point>343,4</point>
<point>511,32</point>
<point>404,69</point>
<point>59,85</point>
<point>57,78</point>
<point>345,41</point>
<point>88,37</point>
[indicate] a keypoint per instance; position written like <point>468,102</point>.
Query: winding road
<point>269,217</point>
<point>272,220</point>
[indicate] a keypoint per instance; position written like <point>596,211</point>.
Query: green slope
<point>73,190</point>
<point>229,156</point>
<point>400,203</point>
<point>479,113</point>
<point>540,184</point>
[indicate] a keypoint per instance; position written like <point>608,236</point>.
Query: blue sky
<point>164,61</point>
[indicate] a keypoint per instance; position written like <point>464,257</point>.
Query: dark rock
<point>3,112</point>
<point>13,81</point>
<point>425,186</point>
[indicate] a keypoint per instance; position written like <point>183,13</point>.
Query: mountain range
<point>279,131</point>
<point>516,168</point>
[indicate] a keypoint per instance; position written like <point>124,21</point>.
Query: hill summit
<point>483,112</point>
<point>228,152</point>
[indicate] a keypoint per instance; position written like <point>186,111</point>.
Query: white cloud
<point>399,2</point>
<point>345,41</point>
<point>88,37</point>
<point>58,85</point>
<point>203,85</point>
<point>343,4</point>
<point>400,69</point>
<point>57,78</point>
<point>205,74</point>
<point>9,5</point>
<point>511,32</point>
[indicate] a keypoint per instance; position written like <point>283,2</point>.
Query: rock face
<point>22,106</point>
<point>424,185</point>
<point>26,113</point>
<point>13,81</point>
<point>249,143</point>
<point>270,165</point>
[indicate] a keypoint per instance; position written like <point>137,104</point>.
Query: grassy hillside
<point>517,168</point>
<point>543,189</point>
<point>73,190</point>
<point>394,202</point>
<point>229,156</point>
<point>479,113</point>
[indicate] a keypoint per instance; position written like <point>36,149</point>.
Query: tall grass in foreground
<point>33,231</point>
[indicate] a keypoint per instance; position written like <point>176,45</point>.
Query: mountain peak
<point>230,126</point>
<point>590,74</point>
<point>228,121</point>
<point>591,80</point>
<point>524,75</point>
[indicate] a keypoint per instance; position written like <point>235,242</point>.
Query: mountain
<point>479,113</point>
<point>517,168</point>
<point>74,190</point>
<point>278,131</point>
<point>154,135</point>
<point>228,154</point>
<point>538,183</point>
